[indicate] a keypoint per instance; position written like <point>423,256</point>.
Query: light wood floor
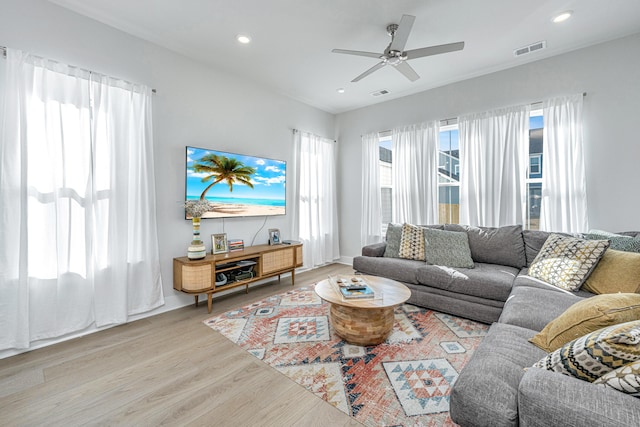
<point>168,369</point>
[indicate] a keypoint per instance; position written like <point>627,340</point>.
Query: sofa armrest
<point>548,398</point>
<point>377,249</point>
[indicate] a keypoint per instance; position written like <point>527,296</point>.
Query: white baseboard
<point>348,260</point>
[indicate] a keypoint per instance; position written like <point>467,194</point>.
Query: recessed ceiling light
<point>243,38</point>
<point>340,90</point>
<point>561,17</point>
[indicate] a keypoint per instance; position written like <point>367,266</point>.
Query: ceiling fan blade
<point>358,53</point>
<point>369,71</point>
<point>408,71</point>
<point>402,33</point>
<point>434,50</point>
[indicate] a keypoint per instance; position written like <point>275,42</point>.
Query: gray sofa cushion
<point>548,399</point>
<point>487,281</point>
<point>469,307</point>
<point>524,308</point>
<point>533,242</point>
<point>403,270</point>
<point>524,279</point>
<point>502,245</point>
<point>486,391</point>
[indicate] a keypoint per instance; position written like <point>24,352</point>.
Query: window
<point>386,184</point>
<point>534,174</point>
<point>448,176</point>
<point>535,164</point>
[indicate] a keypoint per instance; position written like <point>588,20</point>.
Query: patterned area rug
<point>404,381</point>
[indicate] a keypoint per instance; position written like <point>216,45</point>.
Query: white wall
<point>609,73</point>
<point>195,105</point>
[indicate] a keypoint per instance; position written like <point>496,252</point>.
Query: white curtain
<point>371,215</point>
<point>315,207</point>
<point>564,193</point>
<point>493,166</point>
<point>415,173</point>
<point>78,239</point>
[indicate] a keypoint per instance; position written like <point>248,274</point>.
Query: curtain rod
<point>4,55</point>
<point>452,120</point>
<point>297,130</point>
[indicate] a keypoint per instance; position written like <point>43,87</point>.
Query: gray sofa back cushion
<point>502,245</point>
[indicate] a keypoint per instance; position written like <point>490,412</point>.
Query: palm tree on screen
<point>222,168</point>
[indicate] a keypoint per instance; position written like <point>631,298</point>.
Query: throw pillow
<point>587,316</point>
<point>394,234</point>
<point>593,355</point>
<point>412,242</point>
<point>566,262</point>
<point>625,379</point>
<point>617,271</point>
<point>447,248</point>
<point>618,242</point>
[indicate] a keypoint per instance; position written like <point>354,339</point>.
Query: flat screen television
<point>236,185</point>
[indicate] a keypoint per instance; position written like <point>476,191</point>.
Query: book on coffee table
<point>356,292</point>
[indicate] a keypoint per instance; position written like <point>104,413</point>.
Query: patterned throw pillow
<point>566,262</point>
<point>593,355</point>
<point>394,234</point>
<point>412,242</point>
<point>625,379</point>
<point>448,248</point>
<point>618,242</point>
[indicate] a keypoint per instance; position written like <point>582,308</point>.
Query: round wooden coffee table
<point>364,321</point>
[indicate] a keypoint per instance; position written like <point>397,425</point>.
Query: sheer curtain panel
<point>78,244</point>
<point>493,166</point>
<point>315,209</point>
<point>415,174</point>
<point>371,215</point>
<point>564,190</point>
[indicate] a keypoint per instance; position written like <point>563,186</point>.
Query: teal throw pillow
<point>619,242</point>
<point>447,248</point>
<point>394,234</point>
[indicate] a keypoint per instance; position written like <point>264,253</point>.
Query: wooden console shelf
<point>239,268</point>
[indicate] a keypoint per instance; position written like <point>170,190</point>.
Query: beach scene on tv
<point>235,184</point>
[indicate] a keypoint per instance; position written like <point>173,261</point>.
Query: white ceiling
<point>292,39</point>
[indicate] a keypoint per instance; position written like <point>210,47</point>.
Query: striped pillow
<point>596,354</point>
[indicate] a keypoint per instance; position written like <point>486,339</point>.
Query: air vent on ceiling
<point>380,92</point>
<point>529,49</point>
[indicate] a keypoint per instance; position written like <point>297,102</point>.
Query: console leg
<point>293,277</point>
<point>196,297</point>
<point>209,301</point>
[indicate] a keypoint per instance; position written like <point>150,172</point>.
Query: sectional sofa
<point>495,388</point>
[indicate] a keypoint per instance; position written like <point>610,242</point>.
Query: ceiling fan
<point>395,54</point>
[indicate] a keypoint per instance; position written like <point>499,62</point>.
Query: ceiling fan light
<point>563,16</point>
<point>243,38</point>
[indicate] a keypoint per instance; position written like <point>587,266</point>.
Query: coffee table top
<point>393,293</point>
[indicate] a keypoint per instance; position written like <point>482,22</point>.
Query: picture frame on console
<point>219,243</point>
<point>274,236</point>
